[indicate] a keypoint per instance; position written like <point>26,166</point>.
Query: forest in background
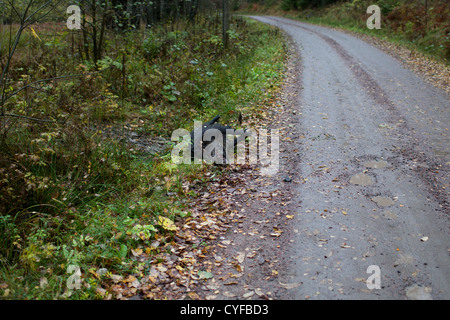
<point>422,25</point>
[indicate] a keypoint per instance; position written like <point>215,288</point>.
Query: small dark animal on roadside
<point>213,124</point>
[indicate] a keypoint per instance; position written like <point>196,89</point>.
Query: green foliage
<point>152,46</point>
<point>387,6</point>
<point>75,191</point>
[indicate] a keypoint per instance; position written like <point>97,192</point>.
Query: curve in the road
<point>375,169</point>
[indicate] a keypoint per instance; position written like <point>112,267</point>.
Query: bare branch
<point>37,10</point>
<point>25,21</point>
<point>13,8</point>
<point>12,115</point>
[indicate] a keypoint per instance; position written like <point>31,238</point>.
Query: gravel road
<point>372,167</point>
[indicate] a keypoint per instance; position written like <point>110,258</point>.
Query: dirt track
<point>365,143</point>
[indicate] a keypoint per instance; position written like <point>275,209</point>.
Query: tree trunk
<point>226,22</point>
<point>193,10</point>
<point>161,8</point>
<point>84,31</point>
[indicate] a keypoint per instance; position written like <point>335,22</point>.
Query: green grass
<point>70,195</point>
<point>432,45</point>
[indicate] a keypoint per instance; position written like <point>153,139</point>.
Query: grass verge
<point>409,24</point>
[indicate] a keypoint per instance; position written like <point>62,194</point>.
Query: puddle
<point>416,292</point>
<point>390,214</point>
<point>383,201</point>
<point>376,164</point>
<point>361,179</point>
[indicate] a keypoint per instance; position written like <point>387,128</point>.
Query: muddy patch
<point>376,164</point>
<point>416,292</point>
<point>390,214</point>
<point>361,179</point>
<point>383,201</point>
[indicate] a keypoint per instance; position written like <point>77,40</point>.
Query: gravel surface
<point>431,71</point>
<point>363,185</point>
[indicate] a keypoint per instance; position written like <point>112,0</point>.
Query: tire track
<point>397,218</point>
<point>431,170</point>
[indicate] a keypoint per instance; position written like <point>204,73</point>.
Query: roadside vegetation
<point>422,25</point>
<point>86,177</point>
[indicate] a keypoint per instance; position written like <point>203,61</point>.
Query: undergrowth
<point>71,194</point>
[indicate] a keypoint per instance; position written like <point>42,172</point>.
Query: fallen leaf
<point>241,256</point>
<point>100,291</point>
<point>130,279</point>
<point>179,268</point>
<point>276,232</point>
<point>167,224</point>
<point>161,268</point>
<point>229,294</point>
<point>136,252</point>
<point>259,292</point>
<point>43,283</point>
<point>212,287</point>
<point>116,278</point>
<point>193,296</point>
<point>238,267</point>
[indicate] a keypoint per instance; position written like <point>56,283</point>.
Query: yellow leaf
<point>179,268</point>
<point>167,224</point>
<point>34,34</point>
<point>130,279</point>
<point>95,274</point>
<point>344,213</point>
<point>193,295</point>
<point>136,252</point>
